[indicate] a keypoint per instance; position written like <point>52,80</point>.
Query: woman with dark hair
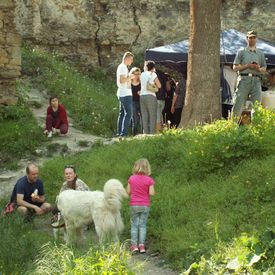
<point>71,182</point>
<point>56,120</point>
<point>148,99</point>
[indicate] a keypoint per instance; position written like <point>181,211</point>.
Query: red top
<point>61,117</point>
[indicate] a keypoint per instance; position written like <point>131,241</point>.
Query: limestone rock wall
<point>10,56</point>
<point>97,32</point>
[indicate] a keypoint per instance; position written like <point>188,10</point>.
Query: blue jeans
<point>139,216</point>
<point>125,115</point>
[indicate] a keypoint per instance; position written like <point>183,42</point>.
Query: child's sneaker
<point>50,134</point>
<point>142,248</point>
<point>134,248</point>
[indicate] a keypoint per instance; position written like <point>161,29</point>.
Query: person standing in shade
<point>135,85</point>
<point>250,64</point>
<point>161,95</point>
<point>148,99</point>
<point>178,102</point>
<point>124,94</point>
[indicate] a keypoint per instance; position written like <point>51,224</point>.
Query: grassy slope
<point>19,135</point>
<point>212,183</point>
<point>90,100</point>
<point>195,208</point>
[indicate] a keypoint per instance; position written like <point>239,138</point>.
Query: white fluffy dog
<point>80,208</point>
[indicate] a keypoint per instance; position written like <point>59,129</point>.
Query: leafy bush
<point>245,255</point>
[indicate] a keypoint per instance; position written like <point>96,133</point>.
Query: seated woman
<point>56,120</point>
<point>71,182</point>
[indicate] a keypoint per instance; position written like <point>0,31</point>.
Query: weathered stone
<point>6,4</point>
<point>8,100</point>
<point>10,54</point>
<point>3,60</point>
<point>13,39</point>
<point>10,73</point>
<point>14,52</point>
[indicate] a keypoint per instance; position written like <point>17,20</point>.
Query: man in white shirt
<point>124,94</point>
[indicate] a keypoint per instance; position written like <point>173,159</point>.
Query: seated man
<point>28,193</point>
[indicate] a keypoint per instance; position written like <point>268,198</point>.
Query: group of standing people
<point>142,106</point>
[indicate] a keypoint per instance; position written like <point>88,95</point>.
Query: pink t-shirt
<point>140,190</point>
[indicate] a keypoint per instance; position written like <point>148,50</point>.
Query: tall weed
<point>54,259</point>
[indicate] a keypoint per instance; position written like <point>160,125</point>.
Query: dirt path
<point>75,141</point>
<point>152,264</point>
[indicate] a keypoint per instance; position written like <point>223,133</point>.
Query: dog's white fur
<point>79,208</point>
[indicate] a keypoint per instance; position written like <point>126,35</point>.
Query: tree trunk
<point>203,99</point>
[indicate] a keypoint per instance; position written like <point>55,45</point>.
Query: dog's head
<point>115,186</point>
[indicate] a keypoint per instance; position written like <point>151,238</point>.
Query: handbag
<point>151,87</point>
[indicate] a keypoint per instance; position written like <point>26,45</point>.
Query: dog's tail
<point>114,192</point>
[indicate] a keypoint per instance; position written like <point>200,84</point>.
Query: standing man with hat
<point>249,63</point>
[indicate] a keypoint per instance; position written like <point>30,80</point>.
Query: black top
<point>135,90</point>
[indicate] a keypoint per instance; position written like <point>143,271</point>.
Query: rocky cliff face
<point>10,57</point>
<point>97,32</point>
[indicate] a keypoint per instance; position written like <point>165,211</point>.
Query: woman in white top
<point>148,99</point>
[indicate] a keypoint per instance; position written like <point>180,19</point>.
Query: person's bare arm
<point>152,190</point>
<point>124,78</point>
<point>20,202</point>
<point>240,67</point>
<point>128,189</point>
<point>173,103</point>
<point>157,82</point>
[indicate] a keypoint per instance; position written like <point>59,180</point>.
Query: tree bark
<point>203,99</point>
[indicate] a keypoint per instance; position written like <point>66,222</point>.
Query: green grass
<point>213,183</point>
<point>90,98</point>
<point>19,135</point>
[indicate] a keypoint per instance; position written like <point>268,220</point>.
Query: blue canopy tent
<point>175,55</point>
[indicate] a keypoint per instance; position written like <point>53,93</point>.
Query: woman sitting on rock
<point>56,120</point>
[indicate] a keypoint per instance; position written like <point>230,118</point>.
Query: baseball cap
<point>251,33</point>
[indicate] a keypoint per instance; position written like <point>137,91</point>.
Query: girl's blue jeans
<point>139,216</point>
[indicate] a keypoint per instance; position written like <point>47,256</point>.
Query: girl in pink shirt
<point>140,188</point>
